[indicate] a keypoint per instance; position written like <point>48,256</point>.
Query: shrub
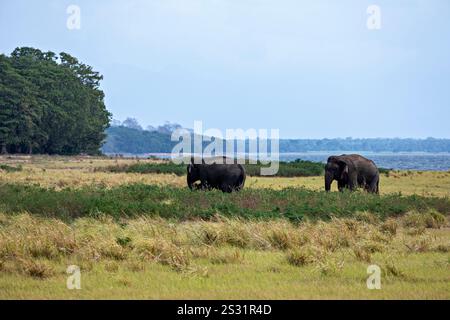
<point>9,169</point>
<point>302,256</point>
<point>164,252</point>
<point>297,168</point>
<point>294,204</point>
<point>35,268</point>
<point>429,219</point>
<point>389,226</point>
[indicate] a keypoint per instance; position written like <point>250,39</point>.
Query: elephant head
<point>193,173</point>
<point>342,169</point>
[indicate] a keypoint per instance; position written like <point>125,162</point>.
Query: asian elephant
<point>222,176</point>
<point>352,171</point>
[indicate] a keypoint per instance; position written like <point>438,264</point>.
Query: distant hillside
<point>121,139</point>
<point>127,140</point>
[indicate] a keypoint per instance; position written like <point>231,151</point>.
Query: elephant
<point>222,176</point>
<point>352,171</point>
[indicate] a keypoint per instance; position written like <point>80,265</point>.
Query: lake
<point>390,160</point>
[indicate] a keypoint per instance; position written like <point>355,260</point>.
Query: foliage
<point>121,139</point>
<point>297,168</point>
<point>295,204</point>
<point>133,140</point>
<point>50,104</point>
<point>8,168</point>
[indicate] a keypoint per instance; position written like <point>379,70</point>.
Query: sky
<point>312,69</point>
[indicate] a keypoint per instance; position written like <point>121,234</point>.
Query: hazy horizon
<point>155,126</point>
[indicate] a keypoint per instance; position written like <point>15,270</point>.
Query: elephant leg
<point>373,187</point>
<point>204,185</point>
<point>225,187</point>
<point>353,181</point>
<point>341,185</point>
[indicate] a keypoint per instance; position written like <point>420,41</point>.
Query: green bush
<point>297,168</point>
<point>146,168</point>
<point>7,168</point>
<point>294,204</point>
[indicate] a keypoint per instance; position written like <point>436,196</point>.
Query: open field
<point>147,236</point>
<point>156,258</point>
<point>75,172</point>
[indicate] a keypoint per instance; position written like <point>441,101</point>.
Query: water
<point>389,160</point>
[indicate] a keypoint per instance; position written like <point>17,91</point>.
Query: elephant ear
<point>344,172</point>
<point>332,159</point>
<point>346,166</point>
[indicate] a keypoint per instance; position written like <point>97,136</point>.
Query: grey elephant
<point>352,171</point>
<point>222,176</point>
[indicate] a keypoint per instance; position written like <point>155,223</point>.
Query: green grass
<point>294,204</point>
<point>8,168</point>
<point>147,168</point>
<point>262,275</point>
<point>297,168</point>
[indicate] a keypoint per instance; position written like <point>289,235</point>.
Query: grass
<point>162,259</point>
<point>297,168</point>
<point>295,204</point>
<point>146,236</point>
<point>79,172</point>
<point>8,168</point>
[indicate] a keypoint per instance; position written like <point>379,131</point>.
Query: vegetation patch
<point>297,168</point>
<point>8,168</point>
<point>295,204</point>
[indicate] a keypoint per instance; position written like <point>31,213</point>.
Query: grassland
<point>77,172</point>
<point>297,168</point>
<point>146,236</point>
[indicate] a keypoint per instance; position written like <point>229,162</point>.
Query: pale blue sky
<point>310,68</point>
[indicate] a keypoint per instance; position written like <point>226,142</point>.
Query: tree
<point>132,123</point>
<point>50,107</point>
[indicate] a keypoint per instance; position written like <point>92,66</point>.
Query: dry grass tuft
<point>422,243</point>
<point>164,252</point>
<point>111,266</point>
<point>226,257</point>
<point>389,226</point>
<point>133,243</point>
<point>329,267</point>
<point>391,269</point>
<point>34,268</point>
<point>429,219</point>
<point>304,256</point>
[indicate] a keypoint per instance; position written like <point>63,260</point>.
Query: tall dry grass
<point>28,243</point>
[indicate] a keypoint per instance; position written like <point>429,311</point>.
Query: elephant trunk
<point>190,183</point>
<point>328,181</point>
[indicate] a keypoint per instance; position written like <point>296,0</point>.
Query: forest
<point>50,104</point>
<point>130,138</point>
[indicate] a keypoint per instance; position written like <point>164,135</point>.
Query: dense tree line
<point>50,104</point>
<point>124,139</point>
